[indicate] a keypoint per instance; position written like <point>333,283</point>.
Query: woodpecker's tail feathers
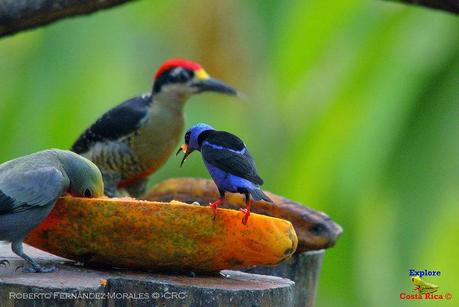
<point>258,194</point>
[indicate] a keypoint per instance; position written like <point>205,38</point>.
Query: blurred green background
<point>353,109</point>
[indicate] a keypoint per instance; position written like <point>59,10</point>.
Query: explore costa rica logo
<point>424,290</point>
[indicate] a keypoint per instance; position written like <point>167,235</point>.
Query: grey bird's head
<point>178,79</point>
<point>84,176</point>
<point>192,140</point>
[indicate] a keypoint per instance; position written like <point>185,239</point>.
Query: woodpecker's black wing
<point>227,152</point>
<point>120,121</point>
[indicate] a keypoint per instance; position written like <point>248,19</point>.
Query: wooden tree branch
<point>445,5</point>
<point>19,15</point>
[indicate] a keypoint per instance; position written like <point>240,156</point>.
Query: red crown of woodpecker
<point>177,63</point>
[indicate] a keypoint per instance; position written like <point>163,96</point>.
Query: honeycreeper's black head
<point>193,140</point>
<point>179,79</point>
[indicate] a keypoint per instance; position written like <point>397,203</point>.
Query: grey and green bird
<point>29,188</point>
<point>134,139</point>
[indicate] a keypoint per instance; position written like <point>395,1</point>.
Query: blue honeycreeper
<point>229,163</point>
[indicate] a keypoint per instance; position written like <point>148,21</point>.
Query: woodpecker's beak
<point>204,83</point>
<point>184,149</point>
<point>214,85</point>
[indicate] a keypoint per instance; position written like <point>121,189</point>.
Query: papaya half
<point>129,233</point>
<point>315,229</point>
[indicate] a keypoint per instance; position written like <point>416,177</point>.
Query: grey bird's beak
<point>214,85</point>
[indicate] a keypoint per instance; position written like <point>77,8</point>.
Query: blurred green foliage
<point>353,109</point>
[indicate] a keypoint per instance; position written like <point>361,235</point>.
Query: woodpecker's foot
<point>111,181</point>
<point>4,262</point>
<point>110,193</point>
<point>137,189</point>
<point>38,269</point>
<point>246,215</point>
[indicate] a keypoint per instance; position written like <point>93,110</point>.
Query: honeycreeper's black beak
<point>214,85</point>
<point>183,148</point>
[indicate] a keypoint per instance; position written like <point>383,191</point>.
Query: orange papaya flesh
<point>315,230</point>
<point>135,234</point>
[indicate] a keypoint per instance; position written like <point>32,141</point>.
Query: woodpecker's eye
<point>173,76</point>
<point>87,193</point>
<point>180,74</point>
<point>187,137</point>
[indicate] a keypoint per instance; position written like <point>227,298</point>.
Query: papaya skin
<point>129,233</point>
<point>315,229</point>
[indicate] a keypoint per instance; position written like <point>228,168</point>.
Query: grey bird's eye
<point>87,193</point>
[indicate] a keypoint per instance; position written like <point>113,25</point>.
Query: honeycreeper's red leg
<point>246,210</point>
<point>214,206</point>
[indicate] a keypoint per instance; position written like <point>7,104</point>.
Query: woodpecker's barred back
<point>119,122</point>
